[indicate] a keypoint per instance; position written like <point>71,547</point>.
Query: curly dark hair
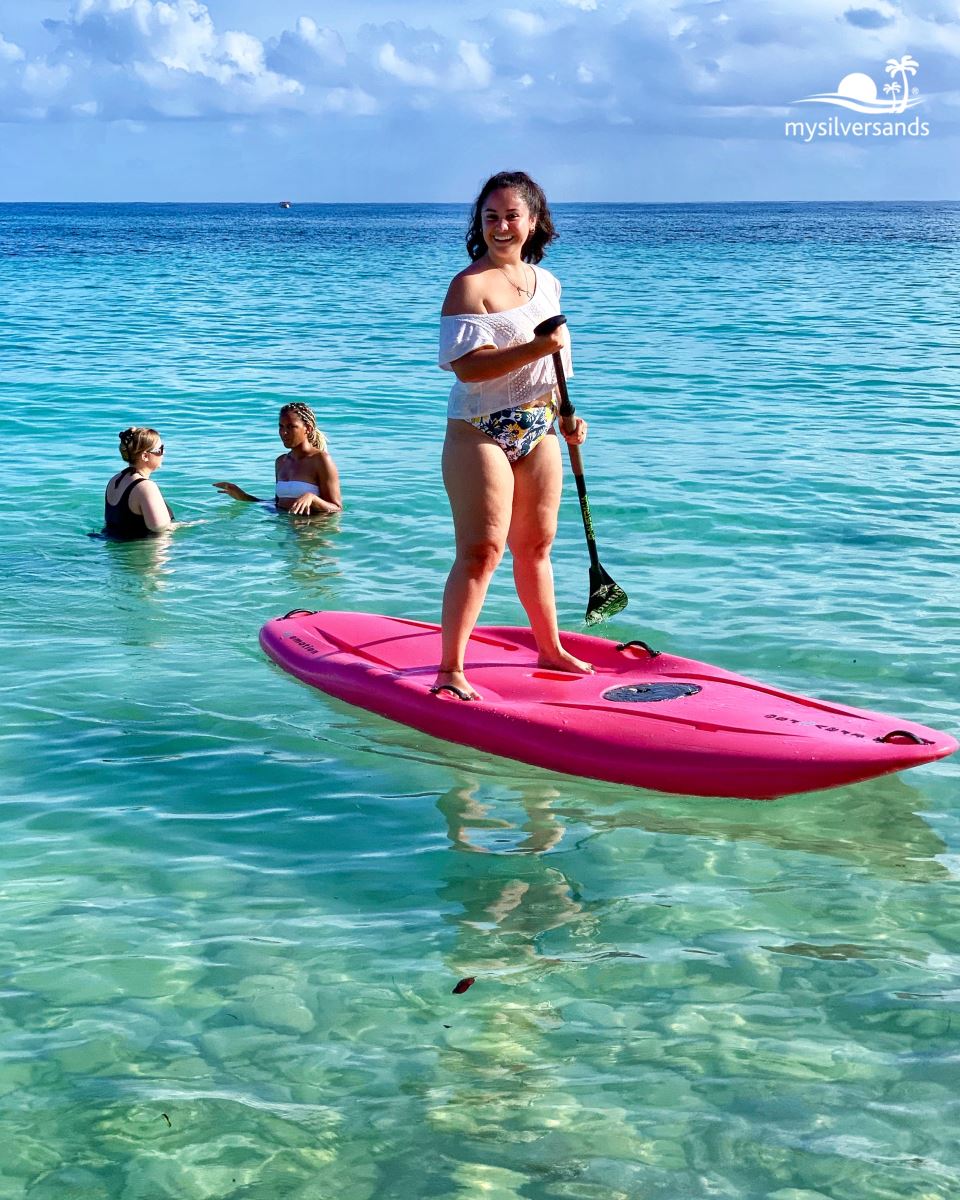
<point>544,233</point>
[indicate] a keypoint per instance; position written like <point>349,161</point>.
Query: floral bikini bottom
<point>517,430</point>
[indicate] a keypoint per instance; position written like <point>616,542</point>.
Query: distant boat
<point>285,204</point>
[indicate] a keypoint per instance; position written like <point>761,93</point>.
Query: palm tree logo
<point>858,92</point>
<point>904,66</point>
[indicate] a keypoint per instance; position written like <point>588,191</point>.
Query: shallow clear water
<point>233,910</point>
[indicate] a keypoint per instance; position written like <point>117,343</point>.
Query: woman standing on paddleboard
<point>501,459</point>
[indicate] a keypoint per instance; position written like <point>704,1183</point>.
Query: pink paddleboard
<point>660,722</point>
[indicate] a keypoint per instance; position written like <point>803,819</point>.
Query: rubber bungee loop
<point>643,645</point>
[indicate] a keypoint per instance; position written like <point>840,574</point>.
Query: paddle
<point>606,597</point>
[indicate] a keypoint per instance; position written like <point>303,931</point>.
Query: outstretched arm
<point>237,493</point>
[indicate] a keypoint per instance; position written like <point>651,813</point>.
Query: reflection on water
<point>876,825</point>
<point>309,544</point>
<point>512,894</point>
<point>139,569</point>
<point>301,552</point>
<point>470,826</point>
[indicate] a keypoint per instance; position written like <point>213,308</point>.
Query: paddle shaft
<point>568,425</point>
<point>607,598</point>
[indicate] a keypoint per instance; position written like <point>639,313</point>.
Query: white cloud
<point>407,72</point>
<point>44,80</point>
<point>473,70</point>
<point>9,51</point>
<point>528,24</point>
<point>166,57</point>
<point>685,66</point>
<point>351,102</point>
<point>468,69</point>
<point>325,42</point>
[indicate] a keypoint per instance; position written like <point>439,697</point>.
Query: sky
<point>365,100</point>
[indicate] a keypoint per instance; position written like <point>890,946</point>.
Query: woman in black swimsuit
<point>133,506</point>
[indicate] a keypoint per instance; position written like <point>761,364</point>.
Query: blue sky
<point>603,99</point>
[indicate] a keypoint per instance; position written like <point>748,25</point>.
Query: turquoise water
<point>233,910</point>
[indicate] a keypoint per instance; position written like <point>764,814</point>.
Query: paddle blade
<point>606,597</point>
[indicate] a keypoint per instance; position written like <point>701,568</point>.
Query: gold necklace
<point>521,291</point>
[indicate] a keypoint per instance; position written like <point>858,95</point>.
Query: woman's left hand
<point>579,435</point>
<point>302,504</point>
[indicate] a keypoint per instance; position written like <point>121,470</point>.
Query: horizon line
<point>467,203</point>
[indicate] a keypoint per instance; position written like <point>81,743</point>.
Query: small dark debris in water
<point>919,995</point>
<point>448,1026</point>
<point>463,984</point>
<point>167,1119</point>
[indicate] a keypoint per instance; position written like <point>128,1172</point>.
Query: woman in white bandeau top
<point>307,479</point>
<point>501,458</point>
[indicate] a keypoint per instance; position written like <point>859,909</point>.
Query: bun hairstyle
<point>308,417</point>
<point>536,201</point>
<point>135,440</point>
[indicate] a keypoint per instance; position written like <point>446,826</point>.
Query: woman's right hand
<point>231,489</point>
<point>550,343</point>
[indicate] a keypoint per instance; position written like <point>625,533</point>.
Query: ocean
<point>234,910</point>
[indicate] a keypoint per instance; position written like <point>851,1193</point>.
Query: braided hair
<point>135,440</point>
<point>306,414</point>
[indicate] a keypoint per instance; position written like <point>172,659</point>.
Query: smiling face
<point>507,224</point>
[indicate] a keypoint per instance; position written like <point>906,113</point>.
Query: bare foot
<point>455,679</point>
<point>560,660</point>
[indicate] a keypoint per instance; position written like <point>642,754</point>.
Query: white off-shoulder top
<point>461,334</point>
